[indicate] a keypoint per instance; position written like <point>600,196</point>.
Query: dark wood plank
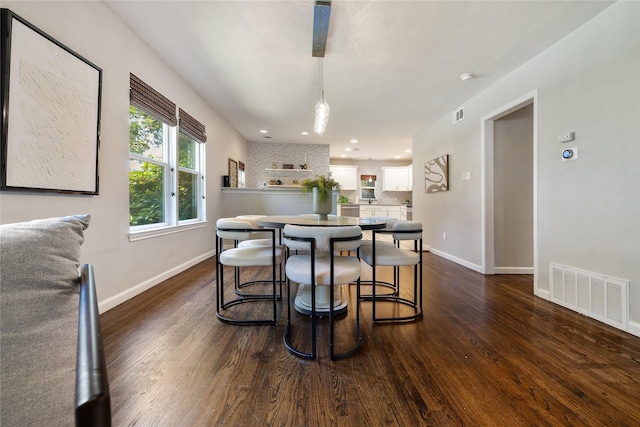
<point>487,352</point>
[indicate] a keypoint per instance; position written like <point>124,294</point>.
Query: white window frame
<point>199,172</point>
<point>171,223</point>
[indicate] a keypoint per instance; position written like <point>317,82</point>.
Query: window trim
<point>137,235</point>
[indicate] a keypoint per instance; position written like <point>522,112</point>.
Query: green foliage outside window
<point>145,133</point>
<point>146,180</point>
<point>146,194</point>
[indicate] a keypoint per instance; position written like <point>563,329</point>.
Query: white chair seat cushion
<point>347,269</point>
<point>369,243</point>
<point>388,255</point>
<point>250,256</point>
<point>256,242</point>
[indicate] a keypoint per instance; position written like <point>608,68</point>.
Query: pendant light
<point>322,108</point>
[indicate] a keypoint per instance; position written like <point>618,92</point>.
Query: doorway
<point>505,235</point>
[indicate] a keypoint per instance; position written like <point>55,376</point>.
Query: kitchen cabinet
<point>397,178</point>
<point>393,212</point>
<point>380,211</point>
<point>347,176</point>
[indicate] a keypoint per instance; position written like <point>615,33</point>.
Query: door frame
<point>487,180</point>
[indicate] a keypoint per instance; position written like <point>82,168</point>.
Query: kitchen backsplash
<point>263,156</point>
<point>384,197</point>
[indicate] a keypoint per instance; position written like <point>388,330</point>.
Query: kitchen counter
<point>267,201</point>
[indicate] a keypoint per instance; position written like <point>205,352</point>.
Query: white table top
<point>279,221</point>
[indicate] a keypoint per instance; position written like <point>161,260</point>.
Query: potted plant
<point>321,187</point>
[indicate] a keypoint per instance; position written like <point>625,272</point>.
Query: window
<point>166,162</point>
<point>148,168</point>
<point>188,178</point>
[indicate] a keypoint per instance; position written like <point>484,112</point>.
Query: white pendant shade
<point>322,116</point>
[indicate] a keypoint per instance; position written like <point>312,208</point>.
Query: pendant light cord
<point>320,79</point>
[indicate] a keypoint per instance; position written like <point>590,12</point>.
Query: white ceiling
<point>391,67</point>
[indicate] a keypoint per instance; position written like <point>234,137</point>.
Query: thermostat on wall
<point>570,153</point>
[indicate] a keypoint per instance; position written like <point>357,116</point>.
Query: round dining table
<point>302,302</point>
<point>279,221</point>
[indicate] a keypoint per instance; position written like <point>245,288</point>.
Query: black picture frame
<point>50,103</point>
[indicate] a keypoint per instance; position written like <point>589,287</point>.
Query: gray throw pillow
<point>39,286</point>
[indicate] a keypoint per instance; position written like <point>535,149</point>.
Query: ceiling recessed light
<point>263,131</point>
<point>347,149</point>
<point>354,141</point>
<point>407,151</point>
<point>467,76</point>
<point>343,155</point>
<point>397,157</point>
<point>304,133</point>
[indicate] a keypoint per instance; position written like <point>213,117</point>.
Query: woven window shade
<point>150,101</point>
<point>191,127</point>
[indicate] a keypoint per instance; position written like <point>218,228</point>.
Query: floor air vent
<point>600,297</point>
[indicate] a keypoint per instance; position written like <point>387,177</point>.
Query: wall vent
<point>600,297</point>
<point>457,115</point>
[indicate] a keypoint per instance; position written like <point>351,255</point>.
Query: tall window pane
<point>147,168</point>
<point>188,172</point>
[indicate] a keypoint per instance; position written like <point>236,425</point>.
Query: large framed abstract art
<point>436,174</point>
<point>50,113</point>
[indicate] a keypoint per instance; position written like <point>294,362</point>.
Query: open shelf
<point>289,170</point>
<point>285,186</point>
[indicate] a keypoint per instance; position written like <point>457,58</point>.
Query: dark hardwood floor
<point>486,353</point>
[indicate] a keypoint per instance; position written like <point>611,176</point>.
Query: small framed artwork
<point>51,113</point>
<point>436,174</point>
<point>233,173</point>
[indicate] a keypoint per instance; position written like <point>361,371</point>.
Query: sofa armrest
<point>92,402</point>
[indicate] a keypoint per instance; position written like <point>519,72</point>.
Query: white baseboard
<point>634,328</point>
<point>542,293</point>
<point>465,263</point>
<point>513,270</point>
<point>115,300</point>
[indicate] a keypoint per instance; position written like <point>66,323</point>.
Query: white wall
<point>588,209</point>
<point>123,268</point>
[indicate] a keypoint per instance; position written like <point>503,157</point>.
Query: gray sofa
<point>52,365</point>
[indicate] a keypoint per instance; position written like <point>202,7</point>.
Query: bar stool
<point>237,256</point>
<point>321,269</point>
<point>384,254</point>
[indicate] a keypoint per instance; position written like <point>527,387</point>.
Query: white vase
<point>322,208</point>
